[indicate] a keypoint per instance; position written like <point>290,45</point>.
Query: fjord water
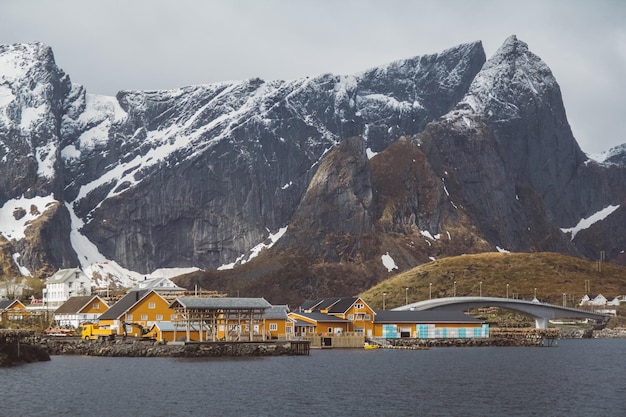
<point>576,378</point>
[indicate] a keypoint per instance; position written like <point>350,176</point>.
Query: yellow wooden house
<point>356,312</point>
<point>142,307</point>
<point>278,325</point>
<point>12,310</point>
<point>316,323</point>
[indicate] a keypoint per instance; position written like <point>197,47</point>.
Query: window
<point>96,306</point>
<point>152,305</point>
<point>173,317</point>
<point>368,317</point>
<point>359,306</point>
<point>144,317</point>
<point>159,317</point>
<point>289,329</point>
<point>351,317</point>
<point>330,330</point>
<point>273,327</point>
<point>129,317</point>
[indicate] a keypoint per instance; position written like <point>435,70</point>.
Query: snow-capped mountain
<point>200,176</point>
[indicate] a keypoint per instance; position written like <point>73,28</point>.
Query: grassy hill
<point>551,274</point>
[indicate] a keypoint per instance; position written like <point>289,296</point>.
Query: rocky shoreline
<point>40,348</point>
<point>147,348</point>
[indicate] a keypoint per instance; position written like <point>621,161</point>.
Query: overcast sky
<point>112,45</point>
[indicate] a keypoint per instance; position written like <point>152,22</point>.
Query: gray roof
<point>221,303</point>
<point>416,316</point>
<point>124,304</point>
<point>278,312</point>
<point>343,305</point>
<point>7,303</point>
<point>63,275</point>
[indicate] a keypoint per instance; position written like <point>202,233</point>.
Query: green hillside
<point>551,274</point>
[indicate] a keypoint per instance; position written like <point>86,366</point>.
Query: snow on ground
<point>588,221</point>
<point>389,263</point>
<point>501,250</point>
<point>12,228</point>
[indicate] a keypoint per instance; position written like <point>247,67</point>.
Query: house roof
<point>63,275</point>
<point>415,316</point>
<point>74,305</point>
<point>6,304</point>
<point>342,305</point>
<point>124,304</point>
<point>333,305</point>
<point>221,303</point>
<point>158,284</point>
<point>278,312</point>
<point>319,317</point>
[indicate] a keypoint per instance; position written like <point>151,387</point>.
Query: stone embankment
<point>478,342</point>
<point>576,333</point>
<point>146,348</point>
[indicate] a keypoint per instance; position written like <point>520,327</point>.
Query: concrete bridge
<point>541,312</point>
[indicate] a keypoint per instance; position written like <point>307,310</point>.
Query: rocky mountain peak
<point>511,78</point>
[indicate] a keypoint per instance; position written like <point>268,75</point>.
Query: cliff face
<point>422,158</point>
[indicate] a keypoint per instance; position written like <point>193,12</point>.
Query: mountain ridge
<point>201,175</point>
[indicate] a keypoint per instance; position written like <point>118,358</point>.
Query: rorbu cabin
<point>143,308</point>
<point>356,312</point>
<point>12,310</point>
<point>278,325</point>
<point>308,324</point>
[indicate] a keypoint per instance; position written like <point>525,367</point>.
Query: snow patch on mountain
<point>254,252</point>
<point>17,214</point>
<point>102,271</point>
<point>388,262</point>
<point>587,222</point>
<point>611,157</point>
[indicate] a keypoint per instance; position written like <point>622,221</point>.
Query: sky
<point>112,45</point>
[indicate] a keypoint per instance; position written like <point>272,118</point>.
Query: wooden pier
<point>301,347</point>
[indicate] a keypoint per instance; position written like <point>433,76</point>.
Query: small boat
<point>370,346</point>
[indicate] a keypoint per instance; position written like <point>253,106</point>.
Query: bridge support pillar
<point>541,323</point>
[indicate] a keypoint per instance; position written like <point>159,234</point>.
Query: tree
<point>11,285</point>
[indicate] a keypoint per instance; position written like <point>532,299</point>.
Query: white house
<point>615,301</point>
<point>65,284</point>
<point>595,300</point>
<point>80,309</point>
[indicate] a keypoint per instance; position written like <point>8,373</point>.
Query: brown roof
<point>75,304</point>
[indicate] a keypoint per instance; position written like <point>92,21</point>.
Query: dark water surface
<point>577,378</point>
